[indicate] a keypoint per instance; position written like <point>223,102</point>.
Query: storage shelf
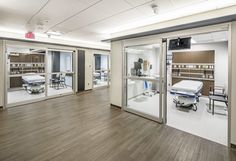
<point>191,73</point>
<point>194,71</point>
<point>193,78</point>
<point>27,63</point>
<point>25,67</point>
<point>193,64</point>
<point>201,69</point>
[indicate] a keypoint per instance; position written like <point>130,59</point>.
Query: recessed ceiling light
<point>193,41</point>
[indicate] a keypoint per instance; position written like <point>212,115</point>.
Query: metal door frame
<point>162,80</point>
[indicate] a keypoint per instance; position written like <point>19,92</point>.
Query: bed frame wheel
<point>194,107</point>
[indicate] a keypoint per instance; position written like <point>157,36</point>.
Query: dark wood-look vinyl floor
<point>86,128</point>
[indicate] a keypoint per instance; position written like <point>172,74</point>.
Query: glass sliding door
<point>144,80</point>
<point>60,72</point>
<point>36,73</point>
<point>101,70</point>
<point>25,74</point>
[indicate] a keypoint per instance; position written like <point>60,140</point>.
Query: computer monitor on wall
<point>137,65</point>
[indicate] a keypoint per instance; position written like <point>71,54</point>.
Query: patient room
<point>142,79</point>
<point>101,70</point>
<point>197,85</point>
<point>32,76</point>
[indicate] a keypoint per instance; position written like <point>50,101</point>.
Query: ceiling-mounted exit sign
<point>29,35</point>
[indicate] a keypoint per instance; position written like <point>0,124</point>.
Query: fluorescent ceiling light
<point>5,29</point>
<point>193,41</point>
<point>54,33</point>
<point>81,41</point>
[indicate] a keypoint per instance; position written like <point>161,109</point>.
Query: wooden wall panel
<point>194,57</point>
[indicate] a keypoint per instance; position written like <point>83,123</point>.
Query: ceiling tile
<point>99,12</point>
<point>184,3</point>
<point>15,13</point>
<point>56,11</point>
<point>137,2</point>
<point>163,6</point>
<point>116,21</point>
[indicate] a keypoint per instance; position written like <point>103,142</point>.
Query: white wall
<point>221,60</point>
<point>66,66</point>
<point>49,62</point>
<point>233,84</point>
<point>151,55</point>
<point>1,74</point>
<point>116,74</point>
<point>104,62</point>
<point>65,62</point>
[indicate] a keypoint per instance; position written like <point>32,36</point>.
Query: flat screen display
<point>180,43</point>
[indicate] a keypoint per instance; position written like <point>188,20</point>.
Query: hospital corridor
<point>117,80</point>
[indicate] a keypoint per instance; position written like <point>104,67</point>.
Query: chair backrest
<point>57,75</point>
<point>63,76</point>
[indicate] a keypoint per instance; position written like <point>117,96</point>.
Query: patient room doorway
<point>35,73</point>
<point>197,84</point>
<point>143,77</point>
<point>101,70</point>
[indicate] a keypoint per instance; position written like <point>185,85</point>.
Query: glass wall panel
<point>60,83</point>
<point>59,61</point>
<point>143,96</point>
<point>143,80</point>
<point>27,79</point>
<point>60,72</point>
<point>101,70</point>
<point>26,74</point>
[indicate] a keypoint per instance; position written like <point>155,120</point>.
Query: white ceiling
<point>211,37</point>
<point>88,20</point>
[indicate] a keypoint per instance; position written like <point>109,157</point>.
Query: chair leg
<point>213,107</point>
<point>209,104</point>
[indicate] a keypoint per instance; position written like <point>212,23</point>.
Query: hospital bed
<point>187,93</point>
<point>34,83</point>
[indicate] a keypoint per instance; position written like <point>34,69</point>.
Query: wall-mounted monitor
<point>180,43</point>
